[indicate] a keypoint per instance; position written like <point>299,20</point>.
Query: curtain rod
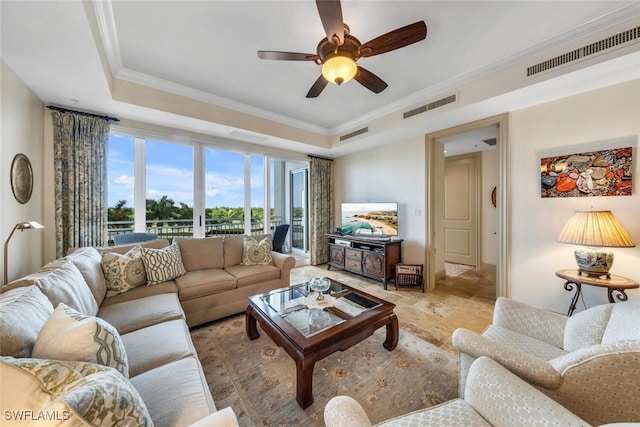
<point>83,113</point>
<point>311,156</point>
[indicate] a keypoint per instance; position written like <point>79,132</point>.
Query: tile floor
<point>464,298</point>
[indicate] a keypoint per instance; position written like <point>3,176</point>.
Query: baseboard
<point>441,274</point>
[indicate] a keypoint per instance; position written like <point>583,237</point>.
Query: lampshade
<point>26,225</point>
<point>595,229</point>
<point>339,69</point>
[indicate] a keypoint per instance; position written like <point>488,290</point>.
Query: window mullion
<point>140,185</point>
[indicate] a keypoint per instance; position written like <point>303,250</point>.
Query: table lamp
<point>598,231</point>
<point>28,225</point>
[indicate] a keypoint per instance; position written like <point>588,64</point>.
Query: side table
<point>613,284</point>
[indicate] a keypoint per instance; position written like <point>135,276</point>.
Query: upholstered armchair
<point>589,363</point>
<point>493,397</point>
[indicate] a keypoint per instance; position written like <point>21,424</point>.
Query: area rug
<point>257,378</point>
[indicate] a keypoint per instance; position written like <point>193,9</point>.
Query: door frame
<point>305,199</point>
<point>503,287</point>
<point>477,213</point>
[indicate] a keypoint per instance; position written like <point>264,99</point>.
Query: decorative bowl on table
<point>319,285</point>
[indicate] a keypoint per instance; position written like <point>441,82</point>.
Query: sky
<point>169,172</point>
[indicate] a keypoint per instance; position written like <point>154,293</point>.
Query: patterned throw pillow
<point>123,272</point>
<point>163,264</point>
<point>70,335</point>
<point>256,253</point>
<point>72,393</point>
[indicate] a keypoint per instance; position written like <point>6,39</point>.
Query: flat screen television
<point>373,219</point>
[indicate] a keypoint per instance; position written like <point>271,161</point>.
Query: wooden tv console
<point>372,257</point>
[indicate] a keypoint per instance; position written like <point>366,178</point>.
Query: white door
<point>460,210</point>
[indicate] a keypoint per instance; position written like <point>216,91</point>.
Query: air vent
<point>583,52</point>
<point>430,106</point>
<point>490,141</point>
<point>354,133</point>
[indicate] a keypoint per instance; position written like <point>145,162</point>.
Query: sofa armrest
<point>504,399</point>
<point>344,411</point>
<point>607,354</point>
<point>285,263</point>
<point>223,418</point>
<point>535,322</point>
<point>531,369</point>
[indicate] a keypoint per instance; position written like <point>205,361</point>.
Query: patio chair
<point>128,238</point>
<point>279,236</point>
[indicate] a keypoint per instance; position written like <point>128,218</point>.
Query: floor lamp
<point>29,225</point>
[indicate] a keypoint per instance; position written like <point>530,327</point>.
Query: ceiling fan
<point>338,52</point>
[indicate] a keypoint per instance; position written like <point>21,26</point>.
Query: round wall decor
<point>21,178</point>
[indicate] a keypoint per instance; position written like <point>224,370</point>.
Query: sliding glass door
<point>299,209</point>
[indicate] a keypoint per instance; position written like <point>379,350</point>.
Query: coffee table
<point>310,330</point>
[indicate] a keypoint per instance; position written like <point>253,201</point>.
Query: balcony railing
<point>170,228</point>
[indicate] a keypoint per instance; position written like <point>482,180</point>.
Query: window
<point>192,189</point>
<point>120,178</point>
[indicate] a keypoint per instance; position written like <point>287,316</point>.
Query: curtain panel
<point>80,155</point>
<point>321,208</point>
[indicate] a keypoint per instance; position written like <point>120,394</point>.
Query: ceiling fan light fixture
<point>339,69</point>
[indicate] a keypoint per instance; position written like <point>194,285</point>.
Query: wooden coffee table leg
<point>304,383</point>
<point>250,324</point>
<point>392,333</point>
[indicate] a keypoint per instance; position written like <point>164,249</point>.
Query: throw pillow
<point>256,253</point>
<point>123,272</point>
<point>69,335</point>
<point>23,312</point>
<point>71,393</point>
<point>163,264</point>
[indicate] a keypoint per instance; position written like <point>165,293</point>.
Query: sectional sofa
<point>80,348</point>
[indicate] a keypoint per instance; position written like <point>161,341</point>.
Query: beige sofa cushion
<point>61,281</point>
<point>169,340</point>
<point>198,283</point>
<point>160,386</point>
<point>200,254</point>
<point>247,275</point>
<point>142,312</point>
<point>23,312</point>
<point>69,335</point>
<point>88,262</point>
<point>142,292</point>
<point>76,393</point>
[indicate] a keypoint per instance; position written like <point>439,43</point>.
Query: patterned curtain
<point>321,208</point>
<point>80,163</point>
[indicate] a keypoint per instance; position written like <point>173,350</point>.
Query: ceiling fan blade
<point>395,39</point>
<point>286,56</point>
<point>369,80</point>
<point>317,87</point>
<point>330,13</point>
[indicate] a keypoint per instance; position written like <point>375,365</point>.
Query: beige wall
<point>489,212</point>
<point>21,122</point>
<point>588,121</point>
<point>391,173</point>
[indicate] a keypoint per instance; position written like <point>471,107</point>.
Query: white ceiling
<point>206,50</point>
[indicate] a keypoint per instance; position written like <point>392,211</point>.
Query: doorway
<point>435,157</point>
<point>461,209</point>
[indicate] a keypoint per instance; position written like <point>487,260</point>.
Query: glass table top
<point>301,308</point>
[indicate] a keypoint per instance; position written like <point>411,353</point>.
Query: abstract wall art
<point>594,173</point>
